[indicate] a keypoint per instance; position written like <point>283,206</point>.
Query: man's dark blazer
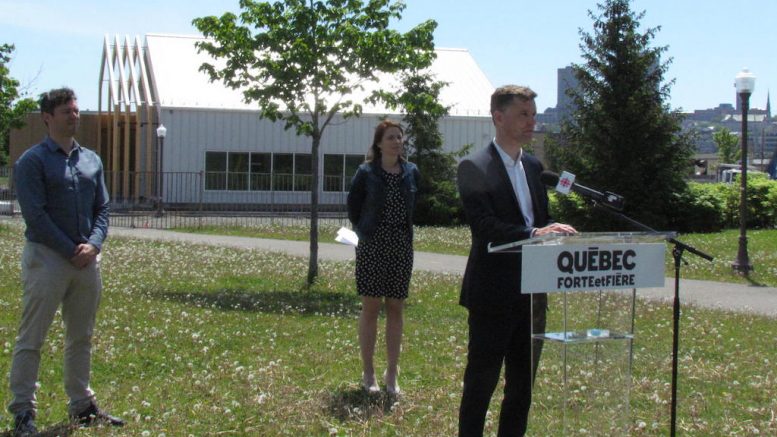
<point>492,282</point>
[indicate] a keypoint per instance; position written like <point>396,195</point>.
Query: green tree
<point>728,150</point>
<point>302,60</point>
<point>13,107</point>
<point>419,98</point>
<point>623,136</point>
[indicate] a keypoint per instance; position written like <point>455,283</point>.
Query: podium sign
<point>584,340</point>
<point>579,267</point>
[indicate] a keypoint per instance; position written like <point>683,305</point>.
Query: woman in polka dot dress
<point>380,207</point>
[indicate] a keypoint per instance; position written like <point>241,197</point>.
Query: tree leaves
<point>624,137</point>
<point>13,106</point>
<point>727,143</point>
<point>302,60</point>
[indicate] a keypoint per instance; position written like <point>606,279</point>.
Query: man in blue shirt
<point>61,191</point>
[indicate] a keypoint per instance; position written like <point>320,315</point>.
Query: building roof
<point>752,118</point>
<point>175,62</point>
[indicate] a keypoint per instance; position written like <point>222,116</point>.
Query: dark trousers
<point>494,339</point>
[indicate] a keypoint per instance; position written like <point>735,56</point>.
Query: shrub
<point>761,205</point>
<point>438,204</point>
<point>699,208</point>
<point>571,209</point>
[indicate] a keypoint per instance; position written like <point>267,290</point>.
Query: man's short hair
<point>504,96</point>
<point>51,99</point>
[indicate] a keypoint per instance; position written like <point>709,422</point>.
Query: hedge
<point>700,208</point>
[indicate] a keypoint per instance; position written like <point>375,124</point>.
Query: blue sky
<point>514,41</point>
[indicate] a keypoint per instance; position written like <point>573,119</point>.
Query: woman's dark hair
<point>374,153</point>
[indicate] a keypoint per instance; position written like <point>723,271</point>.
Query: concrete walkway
<point>734,297</point>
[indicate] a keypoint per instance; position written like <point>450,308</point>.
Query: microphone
<point>566,182</point>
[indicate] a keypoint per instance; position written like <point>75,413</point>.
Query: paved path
<point>735,297</point>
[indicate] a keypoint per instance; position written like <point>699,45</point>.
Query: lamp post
<point>161,132</point>
<point>745,84</point>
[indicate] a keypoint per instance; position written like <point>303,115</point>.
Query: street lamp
<point>745,84</point>
<point>161,132</point>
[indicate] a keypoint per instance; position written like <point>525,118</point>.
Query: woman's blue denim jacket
<point>367,196</point>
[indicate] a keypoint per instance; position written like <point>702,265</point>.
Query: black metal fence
<point>190,199</point>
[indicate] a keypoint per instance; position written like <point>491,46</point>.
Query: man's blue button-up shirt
<point>63,198</point>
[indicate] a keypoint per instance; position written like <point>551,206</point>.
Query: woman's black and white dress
<point>384,263</point>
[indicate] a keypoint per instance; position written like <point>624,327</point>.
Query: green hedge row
<point>701,208</point>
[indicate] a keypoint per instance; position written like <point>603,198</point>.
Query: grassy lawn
<point>722,246</point>
<point>195,340</point>
<point>454,241</point>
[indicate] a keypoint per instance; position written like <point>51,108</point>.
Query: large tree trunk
<point>313,261</point>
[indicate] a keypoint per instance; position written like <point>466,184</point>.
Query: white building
<point>211,131</point>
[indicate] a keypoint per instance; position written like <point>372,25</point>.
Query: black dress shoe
<point>93,416</point>
<point>24,424</point>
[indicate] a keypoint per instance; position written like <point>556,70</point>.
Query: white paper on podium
<point>347,236</point>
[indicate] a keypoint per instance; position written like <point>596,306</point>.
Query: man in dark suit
<point>504,201</point>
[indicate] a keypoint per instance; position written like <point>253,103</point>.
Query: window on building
<point>242,171</point>
<point>333,172</point>
<point>352,162</point>
<point>261,172</point>
<point>215,170</point>
<point>303,172</point>
<point>339,170</point>
<point>237,173</point>
<point>282,171</point>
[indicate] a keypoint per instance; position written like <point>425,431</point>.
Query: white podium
<point>583,381</point>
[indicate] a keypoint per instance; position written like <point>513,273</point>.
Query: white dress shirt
<point>520,185</point>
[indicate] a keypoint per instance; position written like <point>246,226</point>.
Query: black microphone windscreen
<point>549,178</point>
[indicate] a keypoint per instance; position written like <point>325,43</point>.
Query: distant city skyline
<point>708,41</point>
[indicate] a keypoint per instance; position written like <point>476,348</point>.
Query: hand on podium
<point>555,228</point>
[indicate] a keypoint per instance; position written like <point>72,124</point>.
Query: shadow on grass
<point>277,302</point>
<point>63,429</point>
<point>355,404</point>
<point>753,282</point>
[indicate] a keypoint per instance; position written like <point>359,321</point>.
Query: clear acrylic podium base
<point>583,378</point>
<point>583,381</point>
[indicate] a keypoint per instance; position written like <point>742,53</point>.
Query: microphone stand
<point>677,254</point>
